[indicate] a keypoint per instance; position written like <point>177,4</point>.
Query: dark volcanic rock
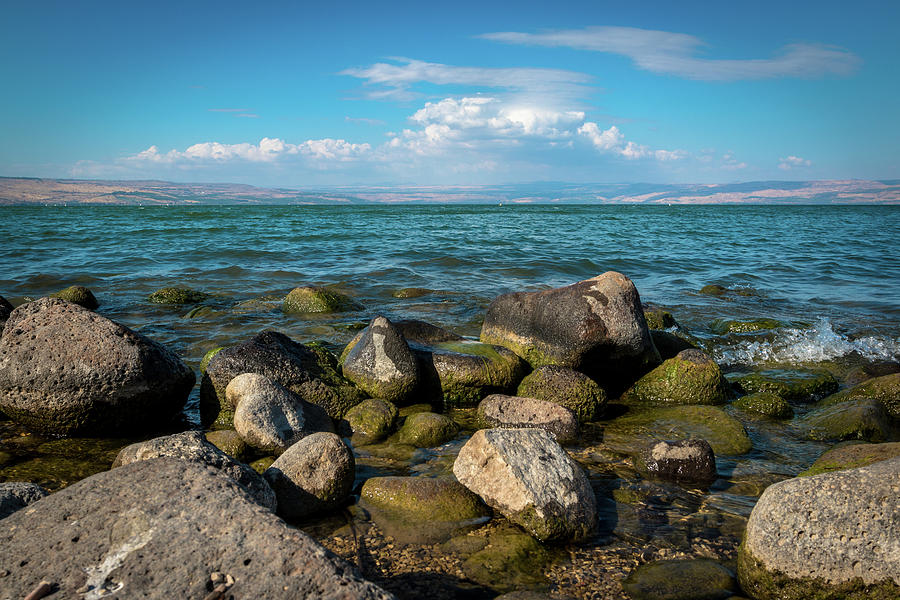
<point>159,529</point>
<point>421,332</point>
<point>595,326</point>
<point>5,309</point>
<point>381,363</point>
<point>67,370</point>
<point>302,369</point>
<point>688,461</point>
<point>16,495</point>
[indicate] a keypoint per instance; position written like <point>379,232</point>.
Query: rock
<point>511,559</point>
<point>309,299</point>
<point>765,403</point>
<point>713,289</point>
<point>5,309</point>
<point>460,374</point>
<point>305,370</point>
<point>314,475</point>
<point>157,529</point>
<point>830,536</point>
<point>411,292</point>
<point>527,476</point>
<point>658,318</point>
<point>855,377</point>
<point>885,390</point>
<point>192,446</point>
<point>382,364</point>
<point>16,495</point>
<point>692,377</point>
<point>726,326</point>
<point>669,344</point>
<point>370,421</point>
<point>793,385</point>
<point>566,387</point>
<point>66,370</point>
<point>852,456</point>
<point>422,510</point>
<point>427,430</point>
<point>204,362</point>
<point>260,465</point>
<point>78,294</point>
<point>595,326</point>
<point>230,442</point>
<point>724,433</point>
<point>863,419</point>
<point>692,579</point>
<point>515,412</point>
<point>177,296</point>
<point>424,333</point>
<point>686,461</point>
<point>270,417</point>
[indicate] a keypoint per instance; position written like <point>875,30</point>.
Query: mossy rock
<point>792,385</point>
<point>864,420</point>
<point>566,387</point>
<point>427,430</point>
<point>369,421</point>
<point>411,292</point>
<point>765,403</point>
<point>763,584</point>
<point>510,560</point>
<point>690,378</point>
<point>412,409</point>
<point>713,289</point>
<point>422,510</point>
<point>78,294</point>
<point>177,296</point>
<point>724,433</point>
<point>204,362</point>
<point>851,456</point>
<point>885,390</point>
<point>260,465</point>
<point>229,442</point>
<point>659,318</point>
<point>692,579</point>
<point>726,326</point>
<point>202,311</point>
<point>309,299</point>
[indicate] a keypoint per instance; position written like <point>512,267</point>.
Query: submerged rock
<point>691,579</point>
<point>831,536</point>
<point>422,510</point>
<point>765,403</point>
<point>596,326</point>
<point>885,390</point>
<point>692,377</point>
<point>310,299</point>
<point>792,385</point>
<point>314,475</point>
<point>270,417</point>
<point>724,433</point>
<point>178,296</point>
<point>78,294</point>
<point>687,461</point>
<point>852,456</point>
<point>510,559</point>
<point>515,412</point>
<point>16,495</point>
<point>863,419</point>
<point>726,326</point>
<point>658,318</point>
<point>154,529</point>
<point>305,370</point>
<point>427,430</point>
<point>713,289</point>
<point>566,387</point>
<point>381,363</point>
<point>527,476</point>
<point>370,421</point>
<point>192,446</point>
<point>67,370</point>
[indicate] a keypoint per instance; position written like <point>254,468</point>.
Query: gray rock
<point>427,430</point>
<point>305,370</point>
<point>595,326</point>
<point>382,364</point>
<point>527,476</point>
<point>67,370</point>
<point>829,536</point>
<point>516,412</point>
<point>314,475</point>
<point>193,446</point>
<point>158,529</point>
<point>269,416</point>
<point>16,495</point>
<point>566,387</point>
<point>688,461</point>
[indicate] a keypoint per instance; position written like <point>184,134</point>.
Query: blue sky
<point>304,94</point>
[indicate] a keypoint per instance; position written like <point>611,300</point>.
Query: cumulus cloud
<point>793,162</point>
<point>268,150</point>
<point>613,141</point>
<point>677,53</point>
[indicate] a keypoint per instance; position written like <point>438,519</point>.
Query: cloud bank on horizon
<point>591,103</point>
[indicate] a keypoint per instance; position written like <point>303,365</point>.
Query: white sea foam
<point>815,344</point>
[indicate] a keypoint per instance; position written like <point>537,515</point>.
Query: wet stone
<point>513,412</point>
<point>699,579</point>
<point>686,461</point>
<point>427,430</point>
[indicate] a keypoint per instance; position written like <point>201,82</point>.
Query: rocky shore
<point>586,446</point>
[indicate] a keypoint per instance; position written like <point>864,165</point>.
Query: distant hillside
<point>14,190</point>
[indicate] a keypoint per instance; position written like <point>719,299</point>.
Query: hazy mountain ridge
<point>18,191</point>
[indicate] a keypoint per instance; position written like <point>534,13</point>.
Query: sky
<point>294,94</point>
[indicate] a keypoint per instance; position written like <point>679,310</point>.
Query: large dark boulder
<point>162,529</point>
<point>304,370</point>
<point>595,326</point>
<point>67,370</point>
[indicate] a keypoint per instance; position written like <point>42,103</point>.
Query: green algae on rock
<point>885,389</point>
<point>78,294</point>
<point>566,387</point>
<point>411,292</point>
<point>690,378</point>
<point>231,443</point>
<point>370,421</point>
<point>851,456</point>
<point>690,579</point>
<point>422,510</point>
<point>427,430</point>
<point>204,362</point>
<point>725,326</point>
<point>724,433</point>
<point>658,318</point>
<point>793,385</point>
<point>765,403</point>
<point>314,299</point>
<point>509,560</point>
<point>862,419</point>
<point>177,295</point>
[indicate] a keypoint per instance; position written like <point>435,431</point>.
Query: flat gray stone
<point>515,412</point>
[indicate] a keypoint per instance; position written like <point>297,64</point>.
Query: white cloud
<point>613,141</point>
<point>793,162</point>
<point>676,53</point>
<point>268,150</point>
